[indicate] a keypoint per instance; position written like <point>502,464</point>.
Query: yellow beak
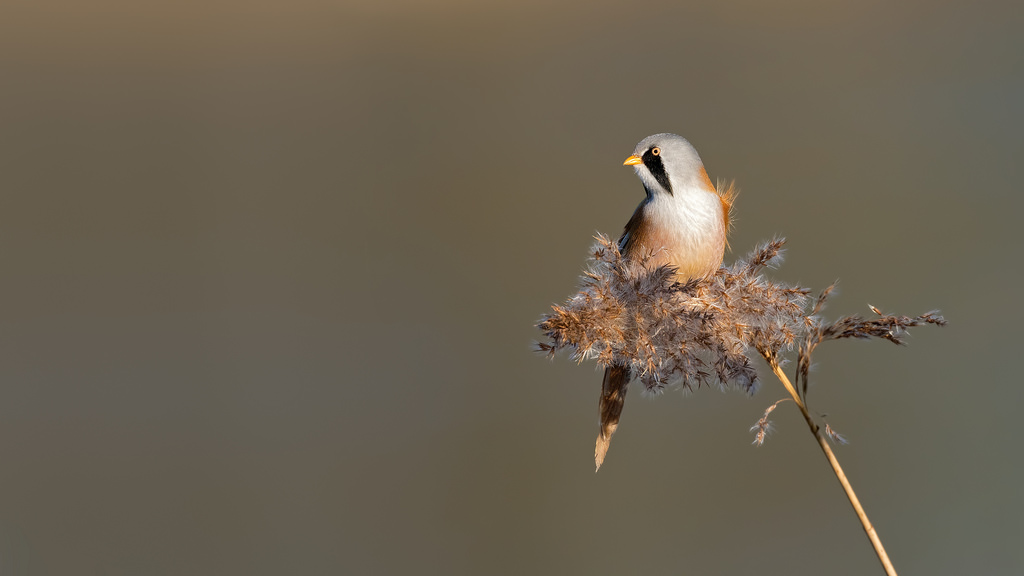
<point>633,161</point>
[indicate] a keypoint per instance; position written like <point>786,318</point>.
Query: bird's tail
<point>613,395</point>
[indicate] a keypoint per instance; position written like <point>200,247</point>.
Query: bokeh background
<point>270,275</point>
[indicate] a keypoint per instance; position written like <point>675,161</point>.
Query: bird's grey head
<point>667,163</point>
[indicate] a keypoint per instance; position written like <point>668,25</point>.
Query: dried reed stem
<point>836,468</point>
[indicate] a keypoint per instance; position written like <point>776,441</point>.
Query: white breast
<point>691,228</point>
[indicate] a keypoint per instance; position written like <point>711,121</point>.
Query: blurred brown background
<point>271,271</point>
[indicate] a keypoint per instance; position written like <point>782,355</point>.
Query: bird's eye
<point>656,151</point>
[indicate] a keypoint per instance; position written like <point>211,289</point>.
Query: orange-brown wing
<point>632,235</point>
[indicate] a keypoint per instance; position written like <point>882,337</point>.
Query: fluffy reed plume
<point>629,312</point>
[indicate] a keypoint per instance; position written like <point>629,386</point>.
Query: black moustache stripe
<point>655,165</point>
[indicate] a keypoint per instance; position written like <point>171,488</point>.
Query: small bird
<point>683,222</point>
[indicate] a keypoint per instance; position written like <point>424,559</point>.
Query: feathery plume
<point>691,334</point>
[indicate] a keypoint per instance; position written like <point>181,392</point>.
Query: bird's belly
<point>696,252</point>
<point>692,260</point>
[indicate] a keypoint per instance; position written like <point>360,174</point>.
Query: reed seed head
<point>632,313</point>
